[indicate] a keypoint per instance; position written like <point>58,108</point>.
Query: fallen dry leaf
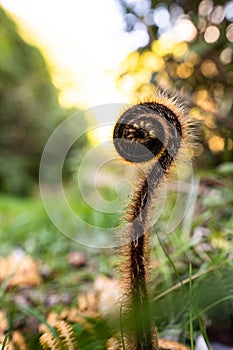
<point>17,340</point>
<point>108,294</point>
<point>171,345</point>
<point>19,271</point>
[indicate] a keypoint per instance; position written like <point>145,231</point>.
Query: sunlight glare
<point>216,144</point>
<point>83,44</point>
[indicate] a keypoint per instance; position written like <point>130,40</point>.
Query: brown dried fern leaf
<point>66,336</point>
<point>49,342</point>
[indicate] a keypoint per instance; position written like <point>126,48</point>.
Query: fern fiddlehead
<point>152,134</point>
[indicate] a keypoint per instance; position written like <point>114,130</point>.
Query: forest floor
<point>46,277</point>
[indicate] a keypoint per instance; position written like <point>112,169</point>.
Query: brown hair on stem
<point>151,133</point>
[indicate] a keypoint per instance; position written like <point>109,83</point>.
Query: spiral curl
<point>151,133</point>
<point>145,130</point>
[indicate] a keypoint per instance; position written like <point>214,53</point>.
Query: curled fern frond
<point>153,134</point>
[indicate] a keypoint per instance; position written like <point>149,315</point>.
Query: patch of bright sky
<point>84,42</point>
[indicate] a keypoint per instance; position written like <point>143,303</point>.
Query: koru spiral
<point>145,130</point>
<point>151,133</point>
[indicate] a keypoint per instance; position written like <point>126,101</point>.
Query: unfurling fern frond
<point>152,134</point>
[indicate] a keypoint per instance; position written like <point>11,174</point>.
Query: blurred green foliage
<point>186,47</point>
<point>29,109</point>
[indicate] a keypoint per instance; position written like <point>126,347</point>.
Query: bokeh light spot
<point>229,32</point>
<point>165,45</point>
<point>212,34</point>
<point>140,35</point>
<point>152,61</point>
<point>184,70</point>
<point>205,8</point>
<point>209,69</point>
<point>217,15</point>
<point>180,50</point>
<point>216,144</point>
<point>228,10</point>
<point>185,30</point>
<point>176,12</point>
<point>162,17</point>
<point>226,56</point>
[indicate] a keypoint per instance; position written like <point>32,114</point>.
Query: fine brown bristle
<point>152,133</point>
